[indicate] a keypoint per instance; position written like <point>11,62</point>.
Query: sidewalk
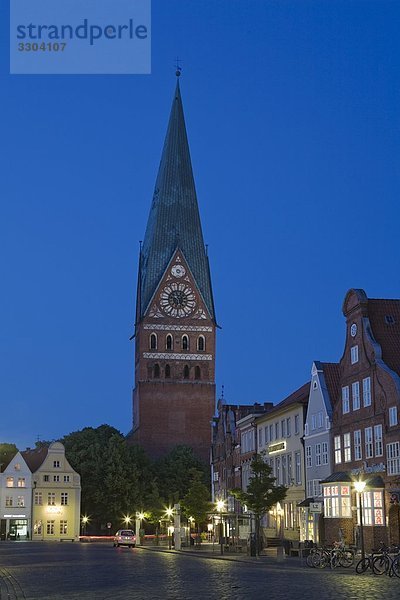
<point>269,556</point>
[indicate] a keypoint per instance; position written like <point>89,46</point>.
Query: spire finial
<point>178,68</point>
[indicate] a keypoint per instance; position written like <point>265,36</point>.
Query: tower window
<point>197,373</point>
<point>167,371</point>
<point>201,343</point>
<point>169,342</point>
<point>186,372</point>
<point>153,341</point>
<point>156,371</point>
<point>185,342</point>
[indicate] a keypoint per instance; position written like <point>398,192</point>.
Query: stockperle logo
<point>80,37</point>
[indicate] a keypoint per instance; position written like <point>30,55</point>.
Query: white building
<point>16,499</point>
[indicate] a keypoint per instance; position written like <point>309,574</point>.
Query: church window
<point>186,372</point>
<point>185,342</point>
<point>167,371</point>
<point>156,371</point>
<point>197,373</point>
<point>153,341</point>
<point>169,342</point>
<point>201,343</point>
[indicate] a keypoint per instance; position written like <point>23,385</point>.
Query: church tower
<point>174,395</point>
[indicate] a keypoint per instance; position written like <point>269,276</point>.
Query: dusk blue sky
<point>292,111</point>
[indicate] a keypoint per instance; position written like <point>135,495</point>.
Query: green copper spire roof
<point>174,220</point>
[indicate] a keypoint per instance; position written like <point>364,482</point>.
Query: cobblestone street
<point>45,571</point>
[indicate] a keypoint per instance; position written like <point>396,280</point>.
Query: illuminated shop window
<point>337,502</point>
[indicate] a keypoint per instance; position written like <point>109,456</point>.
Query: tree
<point>174,473</point>
<point>262,493</point>
<point>7,453</point>
<point>197,502</point>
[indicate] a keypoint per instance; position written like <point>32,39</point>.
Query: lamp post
<point>220,509</point>
<point>169,512</point>
<point>139,519</point>
<point>359,486</point>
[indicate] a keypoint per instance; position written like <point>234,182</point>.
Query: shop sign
<point>315,507</point>
<point>379,468</point>
<point>277,447</point>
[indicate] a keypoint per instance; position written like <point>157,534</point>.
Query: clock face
<point>178,271</point>
<point>177,300</point>
<point>353,330</point>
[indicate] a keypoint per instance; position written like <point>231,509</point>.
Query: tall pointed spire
<point>174,220</point>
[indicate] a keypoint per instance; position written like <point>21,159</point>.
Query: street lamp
<point>85,520</point>
<point>220,509</point>
<point>127,520</point>
<point>359,486</point>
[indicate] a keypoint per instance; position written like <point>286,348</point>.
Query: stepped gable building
<point>365,427</point>
<point>174,395</point>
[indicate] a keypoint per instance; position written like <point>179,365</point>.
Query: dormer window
<point>354,354</point>
<point>153,341</point>
<point>169,342</point>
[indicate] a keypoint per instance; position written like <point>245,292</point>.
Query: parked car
<point>125,537</point>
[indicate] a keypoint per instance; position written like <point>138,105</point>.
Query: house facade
<point>324,389</point>
<point>56,496</point>
<point>16,500</point>
<point>280,440</point>
<point>365,426</point>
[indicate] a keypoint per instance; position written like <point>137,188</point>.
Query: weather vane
<point>178,67</point>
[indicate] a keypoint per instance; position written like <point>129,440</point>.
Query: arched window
<point>167,371</point>
<point>185,372</point>
<point>201,343</point>
<point>156,371</point>
<point>197,374</point>
<point>169,342</point>
<point>185,342</point>
<point>153,341</point>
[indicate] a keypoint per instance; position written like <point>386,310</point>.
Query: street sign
<point>315,507</point>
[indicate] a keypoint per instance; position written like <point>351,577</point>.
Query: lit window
<point>308,456</point>
<point>355,392</point>
<point>185,342</point>
<point>169,342</point>
<point>37,528</point>
<point>369,450</point>
<point>378,440</point>
<point>357,445</point>
<point>20,501</point>
<point>10,482</point>
<point>201,343</point>
<point>392,416</point>
<point>50,528</point>
<point>345,399</point>
<point>393,458</point>
<point>338,451</point>
<point>354,355</point>
<point>367,391</point>
<point>337,503</point>
<point>63,527</point>
<point>153,341</point>
<point>347,447</point>
<point>51,499</point>
<point>372,508</point>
